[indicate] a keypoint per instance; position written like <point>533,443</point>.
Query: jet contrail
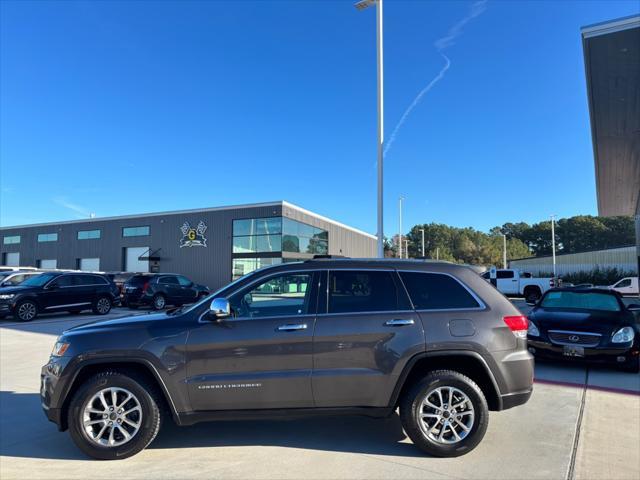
<point>415,102</point>
<point>477,8</point>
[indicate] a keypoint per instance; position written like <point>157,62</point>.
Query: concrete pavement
<point>567,429</point>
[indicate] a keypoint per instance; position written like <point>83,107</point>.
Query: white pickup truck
<point>516,283</point>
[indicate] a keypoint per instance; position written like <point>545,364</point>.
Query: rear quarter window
<point>436,291</point>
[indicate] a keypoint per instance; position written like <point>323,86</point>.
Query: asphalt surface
<point>580,423</point>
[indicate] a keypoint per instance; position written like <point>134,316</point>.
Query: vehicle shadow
<point>350,434</point>
<point>25,432</point>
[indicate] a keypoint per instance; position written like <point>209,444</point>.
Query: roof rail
<point>327,257</point>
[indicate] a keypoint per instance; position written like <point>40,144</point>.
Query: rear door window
<point>363,291</point>
<point>435,291</point>
<point>169,280</point>
<point>504,274</point>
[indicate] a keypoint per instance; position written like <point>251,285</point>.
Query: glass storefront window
<point>242,266</point>
<point>257,244</point>
<point>302,238</point>
<point>257,226</point>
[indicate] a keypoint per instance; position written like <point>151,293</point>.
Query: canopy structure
<point>612,67</point>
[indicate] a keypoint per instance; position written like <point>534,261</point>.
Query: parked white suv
<point>516,283</point>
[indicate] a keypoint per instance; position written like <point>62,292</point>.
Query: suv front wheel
<point>445,414</point>
<point>114,415</point>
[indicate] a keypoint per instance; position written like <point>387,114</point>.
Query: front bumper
<point>5,308</point>
<point>52,381</point>
<point>596,355</point>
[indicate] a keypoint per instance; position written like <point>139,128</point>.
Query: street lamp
<point>504,251</point>
<point>361,5</point>
<point>553,243</point>
<point>422,230</point>
<point>400,199</point>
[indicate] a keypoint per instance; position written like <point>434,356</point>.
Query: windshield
<point>581,301</point>
<point>38,280</point>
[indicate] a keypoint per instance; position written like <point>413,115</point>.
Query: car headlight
<point>59,349</point>
<point>7,296</point>
<point>624,335</point>
<point>533,331</point>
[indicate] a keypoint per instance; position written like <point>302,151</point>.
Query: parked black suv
<point>322,336</point>
<point>58,291</point>
<point>161,289</point>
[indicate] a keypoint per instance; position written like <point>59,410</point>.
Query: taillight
<point>518,324</point>
<point>145,287</point>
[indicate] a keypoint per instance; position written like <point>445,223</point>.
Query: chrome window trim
<point>68,305</point>
<point>482,305</point>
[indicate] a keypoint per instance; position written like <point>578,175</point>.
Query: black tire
<point>411,405</point>
<point>149,400</point>
<point>532,295</point>
<point>158,302</point>
<point>102,305</point>
<point>21,309</point>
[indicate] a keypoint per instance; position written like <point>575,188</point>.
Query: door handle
<point>399,322</point>
<point>292,327</point>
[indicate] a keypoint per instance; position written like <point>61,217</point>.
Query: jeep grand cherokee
<point>330,336</point>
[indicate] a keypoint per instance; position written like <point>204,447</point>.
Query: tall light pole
<point>553,243</point>
<point>400,199</point>
<point>406,248</point>
<point>504,251</point>
<point>361,5</point>
<point>422,231</point>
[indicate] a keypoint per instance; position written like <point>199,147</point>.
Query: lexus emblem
<point>574,338</point>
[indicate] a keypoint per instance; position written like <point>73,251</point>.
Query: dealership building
<point>211,246</point>
<point>612,67</point>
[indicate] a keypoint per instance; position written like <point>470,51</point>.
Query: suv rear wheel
<point>102,306</point>
<point>114,415</point>
<point>158,302</point>
<point>445,414</point>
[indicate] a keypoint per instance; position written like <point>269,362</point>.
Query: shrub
<point>597,276</point>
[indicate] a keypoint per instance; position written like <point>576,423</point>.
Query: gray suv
<point>324,336</point>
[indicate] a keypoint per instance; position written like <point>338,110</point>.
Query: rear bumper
<point>136,299</point>
<point>511,400</point>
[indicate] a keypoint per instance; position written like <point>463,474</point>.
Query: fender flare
<point>445,353</point>
<point>113,362</point>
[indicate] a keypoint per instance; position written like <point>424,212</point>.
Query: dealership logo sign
<point>193,237</point>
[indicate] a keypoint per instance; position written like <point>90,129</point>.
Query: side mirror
<point>220,308</point>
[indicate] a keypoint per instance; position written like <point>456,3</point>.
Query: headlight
<point>7,296</point>
<point>533,331</point>
<point>59,349</point>
<point>624,335</point>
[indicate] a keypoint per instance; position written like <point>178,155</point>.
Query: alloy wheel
<point>103,306</point>
<point>159,302</point>
<point>446,415</point>
<point>27,311</point>
<point>111,417</point>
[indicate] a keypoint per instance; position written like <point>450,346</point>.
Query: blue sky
<point>130,107</point>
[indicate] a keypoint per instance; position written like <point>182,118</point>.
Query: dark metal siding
<point>210,266</point>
